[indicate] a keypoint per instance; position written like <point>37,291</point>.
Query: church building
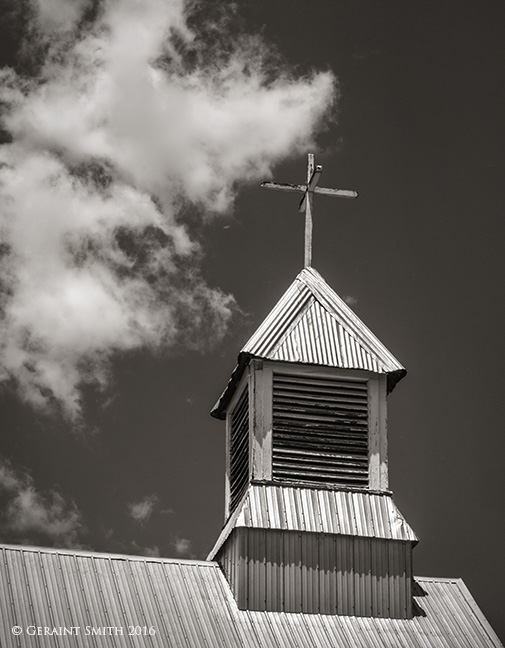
<point>313,552</point>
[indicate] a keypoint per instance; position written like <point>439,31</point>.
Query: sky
<point>138,253</point>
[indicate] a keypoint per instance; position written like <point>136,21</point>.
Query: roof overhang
<point>312,325</point>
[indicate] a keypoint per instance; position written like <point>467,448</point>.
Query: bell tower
<point>310,524</point>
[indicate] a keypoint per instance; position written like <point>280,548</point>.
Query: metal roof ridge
<point>286,302</point>
<point>65,551</point>
<point>481,617</point>
<point>229,525</point>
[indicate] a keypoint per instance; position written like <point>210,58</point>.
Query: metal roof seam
<point>330,299</point>
<point>197,607</point>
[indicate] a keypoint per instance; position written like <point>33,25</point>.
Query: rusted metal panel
<point>190,604</point>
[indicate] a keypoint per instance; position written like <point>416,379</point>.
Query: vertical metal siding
<point>318,573</point>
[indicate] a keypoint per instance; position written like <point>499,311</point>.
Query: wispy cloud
<point>149,551</point>
<point>182,546</point>
<point>350,300</point>
<point>58,15</point>
<point>133,120</point>
<point>32,517</point>
<point>142,510</point>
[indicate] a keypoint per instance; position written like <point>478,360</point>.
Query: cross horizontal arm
<point>338,193</point>
<point>343,193</point>
<point>284,186</point>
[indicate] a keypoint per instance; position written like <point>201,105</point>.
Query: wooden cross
<point>305,205</point>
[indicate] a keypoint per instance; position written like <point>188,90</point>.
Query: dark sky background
<point>420,135</point>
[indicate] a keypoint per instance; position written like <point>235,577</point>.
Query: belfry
<point>311,525</point>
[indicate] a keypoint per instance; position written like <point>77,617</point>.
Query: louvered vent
<point>320,430</point>
<point>239,450</point>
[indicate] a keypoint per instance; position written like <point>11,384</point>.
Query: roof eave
<point>394,377</point>
<point>219,409</point>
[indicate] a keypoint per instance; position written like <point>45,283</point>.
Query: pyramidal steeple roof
<point>311,324</point>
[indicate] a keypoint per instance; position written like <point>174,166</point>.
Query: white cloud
<point>150,552</point>
<point>182,546</point>
<point>58,15</point>
<point>131,120</point>
<point>350,300</point>
<point>32,516</point>
<point>141,511</point>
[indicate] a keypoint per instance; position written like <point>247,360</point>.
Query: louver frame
<point>263,454</point>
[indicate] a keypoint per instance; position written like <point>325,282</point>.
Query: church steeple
<point>307,499</point>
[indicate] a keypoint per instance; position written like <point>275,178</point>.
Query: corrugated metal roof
<point>311,324</point>
<point>365,514</point>
<point>189,604</point>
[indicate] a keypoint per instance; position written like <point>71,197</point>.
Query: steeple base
<point>317,573</point>
<point>319,551</point>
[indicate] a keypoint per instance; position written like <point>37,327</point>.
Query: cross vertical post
<point>308,214</point>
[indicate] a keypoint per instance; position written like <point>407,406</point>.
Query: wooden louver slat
<point>239,450</point>
<point>320,430</point>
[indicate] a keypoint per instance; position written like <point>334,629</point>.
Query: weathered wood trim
<point>252,406</point>
<point>377,389</point>
<point>374,434</point>
<point>238,393</point>
<point>383,426</point>
<point>261,421</point>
